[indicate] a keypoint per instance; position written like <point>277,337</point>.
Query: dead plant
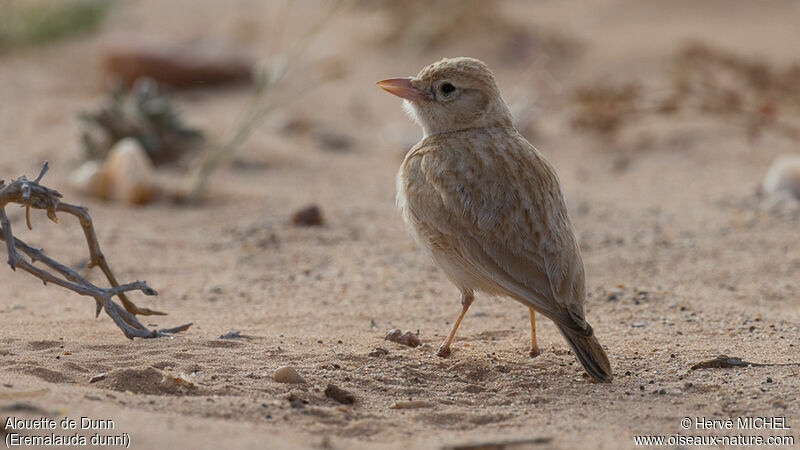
<point>147,114</point>
<point>276,87</point>
<point>31,194</point>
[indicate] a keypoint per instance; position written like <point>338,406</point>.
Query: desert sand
<point>683,260</point>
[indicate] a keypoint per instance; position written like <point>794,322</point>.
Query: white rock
<point>287,374</point>
<point>783,177</point>
<point>130,172</point>
<point>91,180</point>
<point>127,175</point>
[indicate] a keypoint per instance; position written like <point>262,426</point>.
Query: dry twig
<point>31,194</point>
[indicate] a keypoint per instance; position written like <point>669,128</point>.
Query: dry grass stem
<point>271,92</point>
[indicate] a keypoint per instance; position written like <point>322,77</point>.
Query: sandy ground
<point>683,262</point>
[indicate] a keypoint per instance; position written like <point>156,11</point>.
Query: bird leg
<point>466,301</point>
<point>534,348</point>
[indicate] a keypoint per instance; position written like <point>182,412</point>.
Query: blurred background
<point>259,80</point>
<point>239,155</point>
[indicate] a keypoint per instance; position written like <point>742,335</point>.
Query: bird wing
<point>501,204</point>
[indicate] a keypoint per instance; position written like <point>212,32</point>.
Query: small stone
<point>235,334</point>
<point>378,352</point>
<point>287,374</point>
<point>340,395</point>
<point>783,177</point>
<point>411,404</point>
<point>308,217</point>
<point>98,377</point>
<point>638,325</point>
<point>127,175</point>
<point>408,338</point>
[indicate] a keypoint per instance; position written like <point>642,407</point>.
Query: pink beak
<point>402,87</point>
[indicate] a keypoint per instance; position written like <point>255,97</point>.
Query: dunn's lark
<point>488,206</point>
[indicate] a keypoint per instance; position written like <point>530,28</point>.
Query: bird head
<point>450,95</point>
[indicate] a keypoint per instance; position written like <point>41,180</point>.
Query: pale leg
<point>466,300</point>
<point>534,348</point>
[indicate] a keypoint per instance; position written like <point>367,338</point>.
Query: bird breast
<point>487,193</point>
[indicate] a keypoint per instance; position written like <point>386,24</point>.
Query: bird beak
<point>402,88</point>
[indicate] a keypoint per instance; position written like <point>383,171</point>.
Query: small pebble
<point>408,338</point>
<point>287,374</point>
<point>783,177</point>
<point>411,404</point>
<point>378,352</point>
<point>98,377</point>
<point>308,217</point>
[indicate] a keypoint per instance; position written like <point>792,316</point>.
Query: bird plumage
<point>489,207</point>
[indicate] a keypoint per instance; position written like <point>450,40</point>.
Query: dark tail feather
<point>591,355</point>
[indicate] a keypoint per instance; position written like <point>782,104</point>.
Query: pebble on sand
<point>378,352</point>
<point>127,175</point>
<point>98,377</point>
<point>308,217</point>
<point>783,177</point>
<point>287,374</point>
<point>408,338</point>
<point>411,404</point>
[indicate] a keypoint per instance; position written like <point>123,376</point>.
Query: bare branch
<point>45,168</point>
<point>31,194</point>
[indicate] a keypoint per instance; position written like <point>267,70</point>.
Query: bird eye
<point>447,88</point>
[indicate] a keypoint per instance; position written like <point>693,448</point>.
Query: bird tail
<point>591,355</point>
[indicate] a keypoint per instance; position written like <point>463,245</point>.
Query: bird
<point>488,207</point>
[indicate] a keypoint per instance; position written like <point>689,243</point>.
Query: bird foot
<point>535,352</point>
<point>443,352</point>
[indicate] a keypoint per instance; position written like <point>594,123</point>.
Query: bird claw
<point>535,351</point>
<point>443,352</point>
